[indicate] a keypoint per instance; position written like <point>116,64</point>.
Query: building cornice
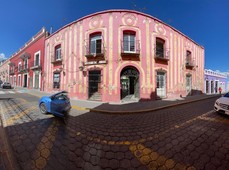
<point>124,10</point>
<point>35,38</point>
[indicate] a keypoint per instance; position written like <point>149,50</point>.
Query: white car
<point>222,104</point>
<point>6,85</point>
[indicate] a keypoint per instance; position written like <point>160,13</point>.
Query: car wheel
<point>43,108</point>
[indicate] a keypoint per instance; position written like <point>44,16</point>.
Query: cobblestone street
<point>190,136</point>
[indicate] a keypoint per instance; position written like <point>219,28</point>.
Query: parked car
<point>6,85</point>
<point>1,83</point>
<point>222,104</point>
<point>58,104</point>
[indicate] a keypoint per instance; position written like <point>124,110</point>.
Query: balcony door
<point>129,39</point>
<point>96,44</point>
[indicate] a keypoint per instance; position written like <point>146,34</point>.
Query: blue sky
<point>204,21</point>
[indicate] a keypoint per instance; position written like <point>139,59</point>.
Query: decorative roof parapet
<point>215,73</point>
<point>41,33</point>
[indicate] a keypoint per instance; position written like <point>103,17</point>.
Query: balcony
<point>161,56</point>
<point>190,64</point>
<point>23,69</point>
<point>20,69</point>
<point>56,60</point>
<point>11,72</point>
<point>26,66</point>
<point>11,64</point>
<point>95,54</point>
<point>130,50</point>
<point>25,56</point>
<point>35,65</point>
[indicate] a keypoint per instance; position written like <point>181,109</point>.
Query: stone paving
<point>184,137</point>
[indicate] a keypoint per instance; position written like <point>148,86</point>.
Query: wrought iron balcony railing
<point>11,72</point>
<point>130,48</point>
<point>161,54</point>
<point>189,63</point>
<point>35,65</point>
<point>96,51</point>
<point>20,69</point>
<point>55,59</point>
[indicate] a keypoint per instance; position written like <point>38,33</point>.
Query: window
<point>12,69</point>
<point>96,44</point>
<point>58,52</point>
<point>129,39</point>
<point>19,67</point>
<point>160,48</point>
<point>26,64</point>
<point>56,80</point>
<point>37,59</point>
<point>188,57</point>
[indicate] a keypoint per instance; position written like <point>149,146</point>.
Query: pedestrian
<point>220,90</point>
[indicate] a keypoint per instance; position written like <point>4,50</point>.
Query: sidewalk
<point>122,108</point>
<point>148,106</point>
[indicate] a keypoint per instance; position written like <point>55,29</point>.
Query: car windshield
<point>62,96</point>
<point>226,95</point>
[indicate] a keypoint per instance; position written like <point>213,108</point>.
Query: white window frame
<point>26,61</point>
<point>129,35</point>
<point>39,62</point>
<point>58,52</point>
<point>19,64</point>
<point>14,80</point>
<point>19,82</point>
<point>95,38</point>
<point>39,85</point>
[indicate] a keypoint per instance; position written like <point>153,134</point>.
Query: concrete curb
<point>137,111</point>
<point>148,110</point>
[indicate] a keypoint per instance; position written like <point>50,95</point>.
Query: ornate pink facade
<point>120,55</point>
<point>4,71</point>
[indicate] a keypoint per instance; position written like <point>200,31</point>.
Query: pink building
<point>120,55</point>
<point>4,68</point>
<point>25,66</point>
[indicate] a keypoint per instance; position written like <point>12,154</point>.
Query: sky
<point>204,21</point>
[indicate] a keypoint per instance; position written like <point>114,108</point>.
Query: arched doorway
<point>129,83</point>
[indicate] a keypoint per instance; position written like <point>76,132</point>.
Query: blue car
<point>58,104</point>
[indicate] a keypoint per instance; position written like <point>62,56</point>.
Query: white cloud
<point>2,56</point>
